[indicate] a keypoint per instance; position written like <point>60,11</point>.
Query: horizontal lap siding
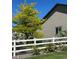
<point>57,19</point>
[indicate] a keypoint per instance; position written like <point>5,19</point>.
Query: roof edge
<point>54,10</point>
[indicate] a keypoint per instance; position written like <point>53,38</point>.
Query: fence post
<point>14,54</point>
<point>53,40</point>
<point>34,41</point>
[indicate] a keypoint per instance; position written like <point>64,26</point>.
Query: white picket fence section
<point>45,41</point>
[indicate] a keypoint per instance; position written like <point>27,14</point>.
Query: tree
<point>27,21</point>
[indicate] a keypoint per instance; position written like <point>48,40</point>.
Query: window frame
<point>58,29</point>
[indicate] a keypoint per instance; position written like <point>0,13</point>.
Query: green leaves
<point>38,34</point>
<point>62,33</point>
<point>27,20</point>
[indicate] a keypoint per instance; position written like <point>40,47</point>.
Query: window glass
<point>58,29</point>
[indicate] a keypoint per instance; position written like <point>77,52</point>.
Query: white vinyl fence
<point>34,42</point>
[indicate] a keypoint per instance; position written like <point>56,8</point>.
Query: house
<point>55,21</point>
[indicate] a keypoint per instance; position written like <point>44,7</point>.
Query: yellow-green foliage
<point>27,20</point>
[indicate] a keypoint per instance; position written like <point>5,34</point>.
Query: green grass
<point>59,55</point>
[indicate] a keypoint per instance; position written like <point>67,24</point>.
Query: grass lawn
<point>59,55</point>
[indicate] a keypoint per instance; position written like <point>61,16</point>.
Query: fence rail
<point>34,42</point>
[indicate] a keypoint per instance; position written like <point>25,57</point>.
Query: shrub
<point>36,51</point>
<point>62,33</point>
<point>64,48</point>
<point>61,47</point>
<point>50,48</point>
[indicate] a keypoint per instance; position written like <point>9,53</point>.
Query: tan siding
<point>57,19</point>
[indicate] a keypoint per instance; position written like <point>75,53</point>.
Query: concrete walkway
<point>22,56</point>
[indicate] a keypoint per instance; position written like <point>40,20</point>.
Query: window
<point>58,29</point>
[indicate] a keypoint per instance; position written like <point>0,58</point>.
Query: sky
<point>43,6</point>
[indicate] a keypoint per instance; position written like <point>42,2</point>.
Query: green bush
<point>36,51</point>
<point>62,33</point>
<point>61,47</point>
<point>64,48</point>
<point>50,48</point>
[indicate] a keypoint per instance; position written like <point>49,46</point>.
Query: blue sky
<point>43,6</point>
